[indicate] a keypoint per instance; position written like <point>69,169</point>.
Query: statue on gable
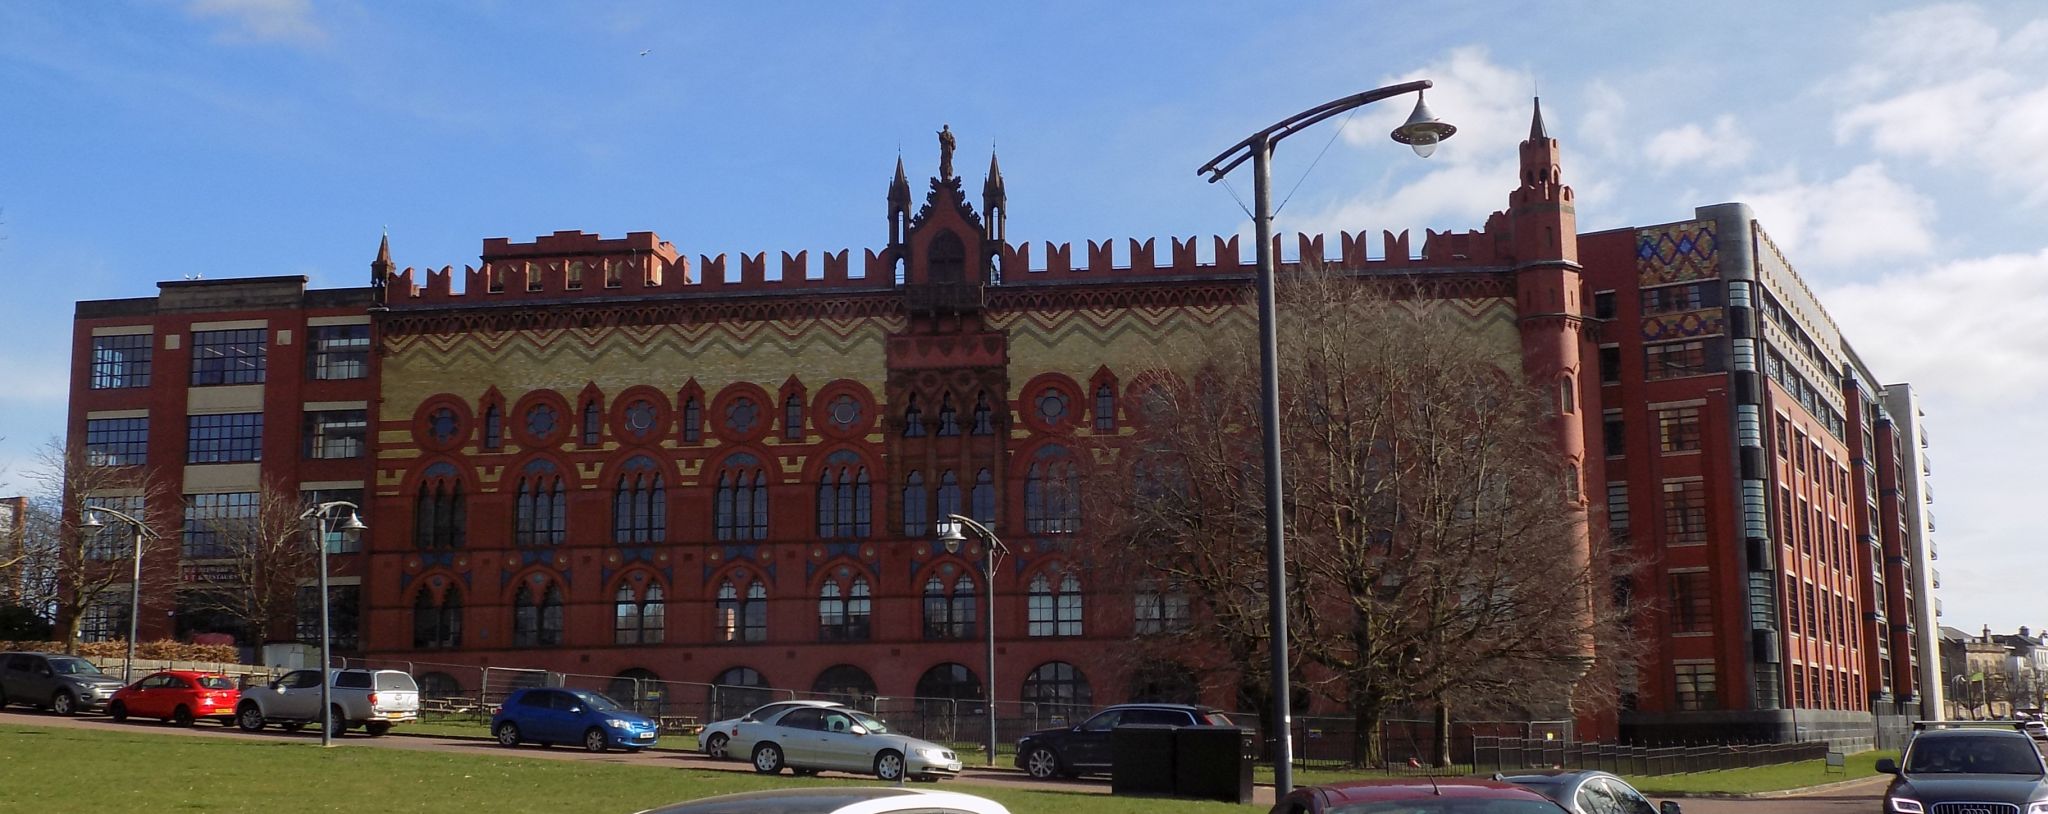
<point>945,152</point>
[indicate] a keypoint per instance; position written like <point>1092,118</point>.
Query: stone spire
<point>382,268</point>
<point>899,205</point>
<point>992,194</point>
<point>1536,128</point>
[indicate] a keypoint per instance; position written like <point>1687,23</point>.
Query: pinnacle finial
<point>384,249</point>
<point>1536,129</point>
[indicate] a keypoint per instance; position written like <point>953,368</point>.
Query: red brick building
<point>596,456</point>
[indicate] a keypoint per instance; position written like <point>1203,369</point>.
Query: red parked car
<point>1416,795</point>
<point>177,696</point>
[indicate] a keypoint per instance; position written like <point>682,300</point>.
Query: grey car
<point>63,684</point>
<point>1589,792</point>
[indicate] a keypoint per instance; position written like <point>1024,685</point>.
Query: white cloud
<point>1969,329</point>
<point>1861,216</point>
<point>286,21</point>
<point>1691,145</point>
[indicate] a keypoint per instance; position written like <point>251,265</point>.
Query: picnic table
<point>679,725</point>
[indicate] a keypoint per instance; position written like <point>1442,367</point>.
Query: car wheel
<point>250,718</point>
<point>889,765</point>
<point>377,729</point>
<point>714,747</point>
<point>768,758</point>
<point>508,734</point>
<point>118,711</point>
<point>63,703</point>
<point>337,722</point>
<point>182,716</point>
<point>595,741</point>
<point>1042,764</point>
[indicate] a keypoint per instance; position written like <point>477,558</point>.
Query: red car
<point>177,696</point>
<point>1416,795</point>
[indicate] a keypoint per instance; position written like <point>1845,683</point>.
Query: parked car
<point>1416,795</point>
<point>548,716</point>
<point>2035,728</point>
<point>1084,748</point>
<point>1990,768</point>
<point>66,685</point>
<point>810,739</point>
<point>178,697</point>
<point>854,800</point>
<point>1589,792</point>
<point>714,739</point>
<point>375,700</point>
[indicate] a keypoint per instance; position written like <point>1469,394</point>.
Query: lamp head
<point>950,536</point>
<point>91,521</point>
<point>1423,131</point>
<point>352,523</point>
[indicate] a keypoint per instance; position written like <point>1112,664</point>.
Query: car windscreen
<point>1973,755</point>
<point>396,682</point>
<point>216,683</point>
<point>598,701</point>
<point>1217,719</point>
<point>73,667</point>
<point>1448,805</point>
<point>872,724</point>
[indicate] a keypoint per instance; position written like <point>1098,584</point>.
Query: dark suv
<point>1958,770</point>
<point>1084,749</point>
<point>64,684</point>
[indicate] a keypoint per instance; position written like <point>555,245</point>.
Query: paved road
<point>1859,797</point>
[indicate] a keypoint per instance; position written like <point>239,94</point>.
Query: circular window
<point>541,421</point>
<point>640,418</point>
<point>444,426</point>
<point>1052,406</point>
<point>845,411</point>
<point>742,415</point>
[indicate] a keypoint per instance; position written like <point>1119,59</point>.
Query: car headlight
<point>2038,808</point>
<point>940,754</point>
<point>1907,805</point>
<point>617,724</point>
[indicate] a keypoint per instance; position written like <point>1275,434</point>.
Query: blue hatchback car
<point>550,715</point>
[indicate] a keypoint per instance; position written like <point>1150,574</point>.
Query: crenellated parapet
<point>573,265</point>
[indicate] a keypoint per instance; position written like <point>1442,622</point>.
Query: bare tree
<point>1436,554</point>
<point>70,569</point>
<point>258,557</point>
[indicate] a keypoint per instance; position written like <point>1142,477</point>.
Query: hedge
<point>160,650</point>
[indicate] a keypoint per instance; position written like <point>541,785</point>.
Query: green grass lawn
<point>57,770</point>
<point>1763,778</point>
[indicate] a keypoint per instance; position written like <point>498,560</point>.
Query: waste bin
<point>1141,759</point>
<point>1214,763</point>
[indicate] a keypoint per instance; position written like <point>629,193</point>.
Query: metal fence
<point>1511,755</point>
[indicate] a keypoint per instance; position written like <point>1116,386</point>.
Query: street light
<point>351,524</point>
<point>1422,131</point>
<point>92,522</point>
<point>949,535</point>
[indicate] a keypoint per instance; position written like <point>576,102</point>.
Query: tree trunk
<point>1366,742</point>
<point>1443,735</point>
<point>70,631</point>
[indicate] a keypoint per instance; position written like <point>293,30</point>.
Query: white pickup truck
<point>376,700</point>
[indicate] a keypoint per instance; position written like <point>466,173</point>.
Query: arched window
<point>793,418</point>
<point>436,626</point>
<point>540,510</point>
<point>1159,611</point>
<point>693,421</point>
<point>949,614</point>
<point>1105,407</point>
<point>984,497</point>
<point>1060,686</point>
<point>494,428</point>
<point>917,514</point>
<point>846,684</point>
<point>639,688</point>
<point>637,615</point>
<point>949,680</point>
<point>742,620</point>
<point>639,503</point>
<point>438,519</point>
<point>537,623</point>
<point>739,689</point>
<point>1052,485</point>
<point>1053,613</point>
<point>913,419</point>
<point>984,421</point>
<point>844,500</point>
<point>1567,395</point>
<point>949,494</point>
<point>593,423</point>
<point>742,508</point>
<point>439,685</point>
<point>843,609</point>
<point>949,418</point>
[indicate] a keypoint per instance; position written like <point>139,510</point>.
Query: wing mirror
<point>576,710</point>
<point>857,729</point>
<point>1668,807</point>
<point>1887,766</point>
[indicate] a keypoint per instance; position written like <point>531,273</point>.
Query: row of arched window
<point>844,493</point>
<point>1053,608</point>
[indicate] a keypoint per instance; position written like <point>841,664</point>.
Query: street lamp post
<point>351,524</point>
<point>138,532</point>
<point>993,549</point>
<point>1422,131</point>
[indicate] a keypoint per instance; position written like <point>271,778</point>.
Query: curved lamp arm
<point>1290,125</point>
<point>91,522</point>
<point>952,537</point>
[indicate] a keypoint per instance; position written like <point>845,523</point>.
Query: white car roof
<point>841,800</point>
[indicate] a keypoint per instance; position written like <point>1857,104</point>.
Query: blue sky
<point>1897,152</point>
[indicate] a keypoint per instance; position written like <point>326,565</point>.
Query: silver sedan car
<point>808,740</point>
